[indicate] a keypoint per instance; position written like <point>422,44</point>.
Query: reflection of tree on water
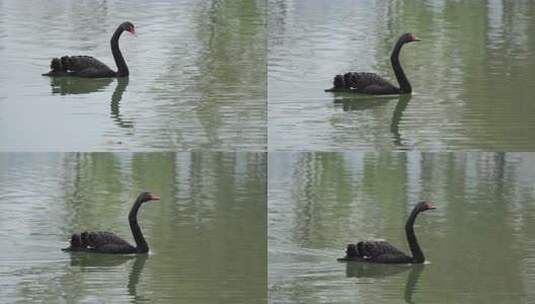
<point>122,83</point>
<point>371,270</point>
<point>77,85</point>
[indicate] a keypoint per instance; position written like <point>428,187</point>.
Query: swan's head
<point>129,27</point>
<point>424,206</point>
<point>147,196</point>
<point>408,37</point>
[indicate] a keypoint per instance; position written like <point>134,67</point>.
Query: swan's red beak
<point>414,38</point>
<point>430,206</point>
<point>154,197</point>
<point>132,31</point>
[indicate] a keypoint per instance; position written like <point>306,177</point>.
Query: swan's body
<point>371,83</point>
<point>87,66</point>
<point>384,252</point>
<point>108,242</point>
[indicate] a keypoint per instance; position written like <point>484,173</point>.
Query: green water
<point>207,234</point>
<point>478,242</point>
<point>472,75</point>
<point>191,66</point>
<point>249,75</point>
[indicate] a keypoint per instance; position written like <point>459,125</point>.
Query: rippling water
<point>478,243</point>
<point>472,75</point>
<point>207,234</point>
<point>197,76</point>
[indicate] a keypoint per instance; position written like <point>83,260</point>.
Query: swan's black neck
<point>404,84</point>
<point>122,69</point>
<point>141,244</point>
<point>417,254</point>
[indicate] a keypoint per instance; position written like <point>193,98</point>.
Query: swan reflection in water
<point>359,102</point>
<point>87,262</point>
<point>403,101</point>
<point>116,97</point>
<point>378,271</point>
<point>78,85</point>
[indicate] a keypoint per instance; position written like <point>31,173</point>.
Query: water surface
<point>472,75</point>
<point>478,242</point>
<point>207,234</point>
<point>197,76</point>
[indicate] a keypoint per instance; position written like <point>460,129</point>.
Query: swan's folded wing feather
<point>378,89</point>
<point>374,249</point>
<point>116,248</point>
<point>361,80</point>
<point>98,239</point>
<point>389,258</point>
<point>80,63</point>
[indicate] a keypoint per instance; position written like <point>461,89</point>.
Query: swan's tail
<point>352,251</point>
<point>339,84</point>
<point>59,66</point>
<point>75,243</point>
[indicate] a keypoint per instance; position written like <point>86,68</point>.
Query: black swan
<point>87,66</point>
<point>108,242</point>
<point>383,252</point>
<point>370,83</point>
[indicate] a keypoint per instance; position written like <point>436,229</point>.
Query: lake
<point>478,243</point>
<point>197,76</point>
<point>207,234</point>
<point>472,75</point>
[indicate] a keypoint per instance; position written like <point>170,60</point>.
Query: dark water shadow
<point>115,104</point>
<point>361,102</point>
<point>135,275</point>
<point>377,271</point>
<point>403,101</point>
<point>90,260</point>
<point>372,270</point>
<point>412,280</point>
<point>77,85</point>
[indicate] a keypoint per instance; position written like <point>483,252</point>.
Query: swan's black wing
<point>382,252</point>
<point>375,252</point>
<point>115,248</point>
<point>98,239</point>
<point>360,81</point>
<point>373,249</point>
<point>83,66</point>
<point>367,83</point>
